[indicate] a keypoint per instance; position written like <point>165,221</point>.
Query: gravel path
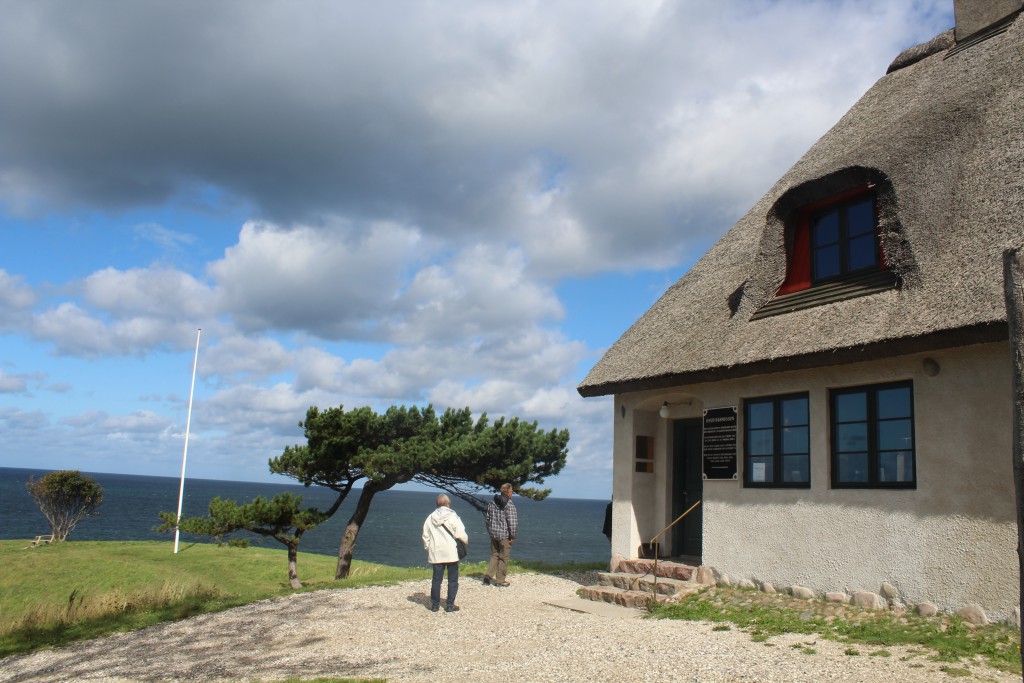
<point>500,633</point>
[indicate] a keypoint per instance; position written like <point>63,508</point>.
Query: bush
<point>65,497</point>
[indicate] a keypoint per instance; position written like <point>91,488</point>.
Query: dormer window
<point>844,239</point>
<point>833,247</point>
<point>834,238</point>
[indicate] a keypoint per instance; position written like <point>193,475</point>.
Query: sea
<point>556,530</point>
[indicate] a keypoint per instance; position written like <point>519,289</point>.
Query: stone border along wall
<point>887,597</point>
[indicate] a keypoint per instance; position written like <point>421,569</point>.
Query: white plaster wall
<point>632,524</point>
<point>625,530</point>
<point>951,541</point>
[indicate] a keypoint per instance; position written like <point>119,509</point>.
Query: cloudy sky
<point>376,203</point>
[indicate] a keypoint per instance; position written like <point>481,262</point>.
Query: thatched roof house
<point>941,136</point>
<point>830,383</point>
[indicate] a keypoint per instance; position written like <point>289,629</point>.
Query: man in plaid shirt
<point>502,527</point>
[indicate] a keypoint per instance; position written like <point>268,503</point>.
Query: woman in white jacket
<point>442,551</point>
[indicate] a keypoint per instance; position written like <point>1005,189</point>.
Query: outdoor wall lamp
<point>664,410</point>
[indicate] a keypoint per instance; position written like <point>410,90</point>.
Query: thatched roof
<point>942,137</point>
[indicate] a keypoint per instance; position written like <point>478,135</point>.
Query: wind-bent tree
<point>508,451</point>
<point>403,444</point>
<point>333,440</point>
<point>280,518</point>
<point>65,498</point>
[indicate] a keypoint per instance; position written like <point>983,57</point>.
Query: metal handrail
<point>654,545</point>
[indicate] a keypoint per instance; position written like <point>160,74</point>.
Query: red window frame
<point>798,268</point>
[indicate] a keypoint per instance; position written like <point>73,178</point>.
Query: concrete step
<point>643,583</point>
<point>601,609</point>
<point>666,568</point>
<point>617,596</point>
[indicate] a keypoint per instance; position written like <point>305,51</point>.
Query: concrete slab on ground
<point>601,609</point>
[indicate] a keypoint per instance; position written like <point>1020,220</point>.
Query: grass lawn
<point>55,594</point>
<point>945,638</point>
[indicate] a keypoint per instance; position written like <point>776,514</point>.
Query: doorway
<point>687,486</point>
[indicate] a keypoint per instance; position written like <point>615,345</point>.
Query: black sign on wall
<point>719,444</point>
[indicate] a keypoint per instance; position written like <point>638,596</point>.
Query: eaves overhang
<point>964,336</point>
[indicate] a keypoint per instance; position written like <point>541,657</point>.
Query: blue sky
<point>376,204</point>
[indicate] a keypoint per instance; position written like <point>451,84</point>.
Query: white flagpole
<point>188,424</point>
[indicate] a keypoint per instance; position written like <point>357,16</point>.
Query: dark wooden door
<point>687,486</point>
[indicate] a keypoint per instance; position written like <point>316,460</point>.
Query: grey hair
<point>443,500</point>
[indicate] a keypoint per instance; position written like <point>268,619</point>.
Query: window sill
<point>863,284</point>
<point>801,485</point>
<point>909,486</point>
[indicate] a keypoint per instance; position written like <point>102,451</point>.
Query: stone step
<point>601,609</point>
<point>643,583</point>
<point>617,596</point>
<point>667,569</point>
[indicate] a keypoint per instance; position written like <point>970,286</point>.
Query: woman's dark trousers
<point>453,583</point>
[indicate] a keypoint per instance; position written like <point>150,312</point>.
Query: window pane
<point>795,468</point>
<point>760,441</point>
<point>826,262</point>
<point>873,436</point>
<point>759,414</point>
<point>894,435</point>
<point>860,218</point>
<point>896,466</point>
<point>794,440</point>
<point>852,437</point>
<point>761,470</point>
<point>894,402</point>
<point>851,407</point>
<point>826,229</point>
<point>794,411</point>
<point>853,467</point>
<point>862,253</point>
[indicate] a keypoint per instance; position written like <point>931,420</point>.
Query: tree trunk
<point>1013,290</point>
<point>293,562</point>
<point>348,540</point>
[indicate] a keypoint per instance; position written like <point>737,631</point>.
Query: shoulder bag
<point>460,547</point>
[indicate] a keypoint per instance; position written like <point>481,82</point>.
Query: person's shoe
<point>435,608</point>
<point>503,584</point>
<point>451,608</point>
<point>487,581</point>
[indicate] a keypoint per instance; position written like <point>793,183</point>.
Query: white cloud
<point>14,294</point>
<point>166,238</point>
<point>148,292</point>
<point>12,384</point>
<point>254,408</point>
<point>74,331</point>
<point>316,368</point>
<point>332,282</point>
<point>483,291</point>
<point>71,328</point>
<point>491,396</point>
<point>24,424</point>
<point>16,301</point>
<point>659,121</point>
<point>236,356</point>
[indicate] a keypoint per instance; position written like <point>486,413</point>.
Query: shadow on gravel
<point>420,599</point>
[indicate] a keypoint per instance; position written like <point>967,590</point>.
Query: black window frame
<point>874,451</point>
<point>776,481</point>
<point>841,207</point>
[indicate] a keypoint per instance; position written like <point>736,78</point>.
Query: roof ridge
<point>912,55</point>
